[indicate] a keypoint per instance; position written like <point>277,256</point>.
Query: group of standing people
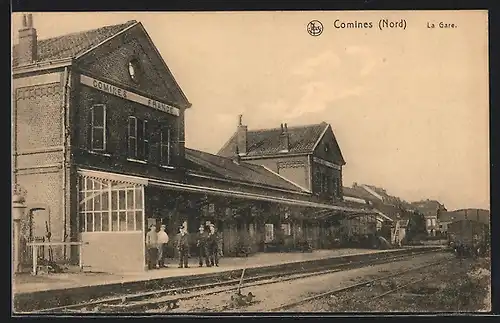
<point>206,242</point>
<point>156,243</point>
<point>208,246</point>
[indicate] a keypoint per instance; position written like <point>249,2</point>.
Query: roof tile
<point>71,45</point>
<point>267,141</point>
<point>246,172</point>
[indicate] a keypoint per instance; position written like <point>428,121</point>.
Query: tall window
<point>106,205</point>
<point>138,138</point>
<point>269,233</point>
<point>98,127</point>
<point>286,228</point>
<point>336,187</point>
<point>166,147</point>
<point>317,179</point>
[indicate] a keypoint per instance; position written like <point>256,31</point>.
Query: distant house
<point>307,155</point>
<point>431,210</point>
<point>448,217</point>
<point>391,209</point>
<point>355,196</point>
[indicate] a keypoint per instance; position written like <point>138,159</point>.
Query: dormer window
<point>134,70</point>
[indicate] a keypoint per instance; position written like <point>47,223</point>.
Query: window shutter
<point>140,139</point>
<point>131,137</point>
<point>147,139</point>
<point>89,129</point>
<point>107,134</point>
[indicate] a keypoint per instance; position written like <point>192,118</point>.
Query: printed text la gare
<point>442,25</point>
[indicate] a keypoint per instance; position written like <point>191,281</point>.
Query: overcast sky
<point>408,107</point>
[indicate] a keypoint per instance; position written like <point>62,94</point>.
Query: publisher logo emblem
<point>315,28</point>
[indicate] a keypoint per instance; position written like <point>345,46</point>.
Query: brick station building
<point>99,146</point>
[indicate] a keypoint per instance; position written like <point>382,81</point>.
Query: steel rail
<point>262,281</point>
<point>120,301</point>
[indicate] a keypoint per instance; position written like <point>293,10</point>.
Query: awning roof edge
<point>253,196</point>
<point>113,176</point>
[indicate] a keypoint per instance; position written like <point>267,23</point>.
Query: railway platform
<point>35,291</point>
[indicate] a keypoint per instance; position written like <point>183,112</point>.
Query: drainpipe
<point>66,90</point>
<point>309,177</point>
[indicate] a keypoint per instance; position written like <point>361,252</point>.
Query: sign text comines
<point>128,95</point>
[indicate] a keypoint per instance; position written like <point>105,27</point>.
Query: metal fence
<point>45,252</point>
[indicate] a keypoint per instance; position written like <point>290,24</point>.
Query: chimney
<point>27,48</point>
<point>241,137</point>
<point>284,138</point>
<point>236,157</point>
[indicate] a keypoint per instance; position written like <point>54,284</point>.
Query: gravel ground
<point>447,287</point>
<point>276,294</point>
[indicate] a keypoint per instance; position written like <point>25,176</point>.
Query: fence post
<point>35,259</point>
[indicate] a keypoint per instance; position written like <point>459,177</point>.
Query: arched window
<point>134,69</point>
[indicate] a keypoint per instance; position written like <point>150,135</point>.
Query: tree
<point>416,225</point>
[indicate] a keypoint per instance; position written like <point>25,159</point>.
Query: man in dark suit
<point>213,246</point>
<point>201,243</point>
<point>183,247</point>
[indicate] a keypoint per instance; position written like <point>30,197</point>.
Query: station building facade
<point>98,133</point>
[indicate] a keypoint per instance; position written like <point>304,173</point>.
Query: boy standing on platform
<point>183,247</point>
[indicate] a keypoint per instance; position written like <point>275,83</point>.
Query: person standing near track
<point>152,247</point>
<point>213,248</point>
<point>162,246</point>
<point>183,247</point>
<point>202,245</point>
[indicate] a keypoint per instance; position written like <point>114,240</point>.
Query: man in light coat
<point>162,246</point>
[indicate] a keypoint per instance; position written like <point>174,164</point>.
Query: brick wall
<point>112,61</point>
<point>38,116</point>
<point>37,139</point>
<point>117,114</point>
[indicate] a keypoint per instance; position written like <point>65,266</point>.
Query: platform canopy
<point>299,200</point>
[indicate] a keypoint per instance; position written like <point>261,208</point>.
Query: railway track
<point>170,298</point>
<point>362,284</point>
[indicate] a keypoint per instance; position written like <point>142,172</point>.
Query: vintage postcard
<point>250,162</point>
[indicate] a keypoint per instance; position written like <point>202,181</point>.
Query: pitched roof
<point>71,45</point>
<point>352,192</point>
<point>228,169</point>
<point>360,192</point>
<point>428,205</point>
<point>267,141</point>
<point>392,211</point>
